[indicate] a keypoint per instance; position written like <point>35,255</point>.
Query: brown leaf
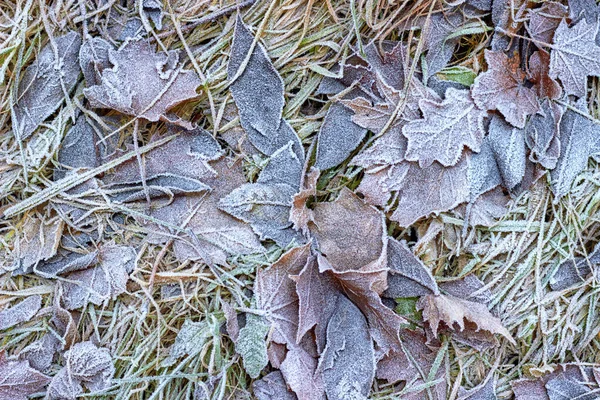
<point>445,129</point>
<point>18,380</point>
<point>501,88</point>
<point>39,241</point>
<point>45,83</point>
<point>425,191</point>
<point>539,74</point>
<point>544,20</point>
<point>22,312</point>
<point>300,214</point>
<point>93,59</point>
<point>102,282</point>
<point>300,372</point>
<point>166,83</point>
<point>451,310</point>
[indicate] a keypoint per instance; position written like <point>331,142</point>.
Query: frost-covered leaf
<point>486,209</point>
<point>258,90</point>
<point>166,83</point>
<point>484,173</point>
<point>508,145</point>
<point>502,88</point>
<point>41,352</point>
<point>43,84</point>
<point>218,233</point>
<point>453,310</point>
<point>300,372</point>
<point>154,10</point>
<point>275,140</point>
<point>192,337</point>
<point>485,391</point>
<point>338,137</point>
<point>539,74</point>
<point>544,20</point>
<point>78,149</point>
<point>562,388</point>
<point>39,241</point>
<point>446,128</point>
<point>317,294</point>
<point>265,207</point>
<point>161,185</point>
<point>440,46</point>
<point>272,387</point>
<point>389,149</point>
<point>22,312</point>
<point>66,262</point>
<point>388,66</point>
<point>542,135</point>
<point>252,345</point>
<point>583,9</point>
<point>408,276</point>
<point>102,282</point>
<point>574,271</point>
<point>579,139</point>
<point>18,380</point>
<point>283,167</point>
<point>575,56</point>
<point>85,364</point>
<point>300,214</point>
<point>93,59</point>
<point>348,361</point>
<point>424,191</point>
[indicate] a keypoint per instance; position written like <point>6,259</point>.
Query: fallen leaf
<point>102,282</point>
<point>544,20</point>
<point>576,270</point>
<point>22,312</point>
<point>389,149</point>
<point>348,360</point>
<point>283,167</point>
<point>562,388</point>
<point>154,10</point>
<point>539,74</point>
<point>272,387</point>
<point>258,89</point>
<point>445,129</point>
<point>93,59</point>
<point>166,83</point>
<point>192,337</point>
<point>408,276</point>
<point>252,345</point>
<point>45,83</point>
<point>575,56</point>
<point>542,135</point>
<point>300,214</point>
<point>431,190</point>
<point>39,241</point>
<point>85,364</point>
<point>440,46</point>
<point>485,391</point>
<point>300,372</point>
<point>338,137</point>
<point>450,310</point>
<point>502,88</point>
<point>18,380</point>
<point>78,149</point>
<point>389,65</point>
<point>579,139</point>
<point>508,146</point>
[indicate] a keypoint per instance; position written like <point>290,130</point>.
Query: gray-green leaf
<point>252,344</point>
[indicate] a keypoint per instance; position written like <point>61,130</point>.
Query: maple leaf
<point>389,66</point>
<point>453,310</point>
<point>166,83</point>
<point>424,191</point>
<point>100,283</point>
<point>508,146</point>
<point>501,88</point>
<point>272,386</point>
<point>539,74</point>
<point>544,20</point>
<point>18,380</point>
<point>579,139</point>
<point>445,129</point>
<point>542,135</point>
<point>575,56</point>
<point>45,83</point>
<point>21,312</point>
<point>257,88</point>
<point>85,364</point>
<point>348,360</point>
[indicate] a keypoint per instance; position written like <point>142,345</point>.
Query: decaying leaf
<point>39,241</point>
<point>272,387</point>
<point>408,276</point>
<point>389,65</point>
<point>300,214</point>
<point>542,135</point>
<point>300,372</point>
<point>18,380</point>
<point>485,391</point>
<point>252,345</point>
<point>501,88</point>
<point>562,388</point>
<point>22,312</point>
<point>544,20</point>
<point>446,128</point>
<point>85,364</point>
<point>257,88</point>
<point>508,146</point>
<point>93,59</point>
<point>166,83</point>
<point>450,310</point>
<point>575,56</point>
<point>539,73</point>
<point>192,337</point>
<point>348,360</point>
<point>440,46</point>
<point>338,137</point>
<point>102,282</point>
<point>154,10</point>
<point>78,149</point>
<point>45,83</point>
<point>576,270</point>
<point>579,139</point>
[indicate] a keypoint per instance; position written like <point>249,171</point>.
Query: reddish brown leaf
<point>300,214</point>
<point>502,88</point>
<point>539,74</point>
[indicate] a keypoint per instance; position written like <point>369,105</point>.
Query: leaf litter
<point>386,219</point>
